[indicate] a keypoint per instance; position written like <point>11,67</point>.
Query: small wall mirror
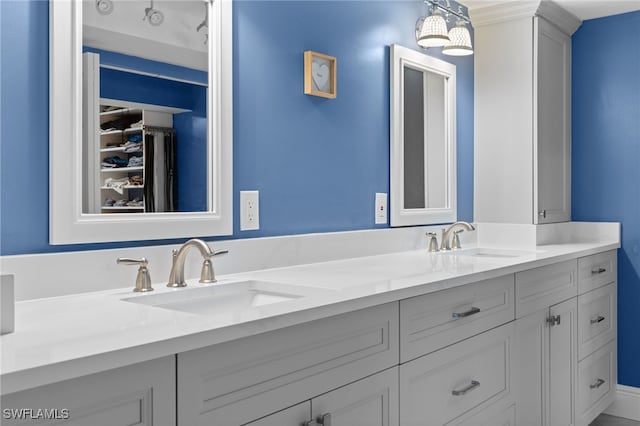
<point>145,139</point>
<point>423,141</point>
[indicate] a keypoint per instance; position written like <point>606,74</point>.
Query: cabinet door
<point>141,394</point>
<point>293,416</point>
<point>369,402</point>
<point>530,363</point>
<point>545,366</point>
<point>552,129</point>
<point>563,360</point>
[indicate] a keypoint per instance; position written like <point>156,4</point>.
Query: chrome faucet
<point>207,275</point>
<point>454,229</point>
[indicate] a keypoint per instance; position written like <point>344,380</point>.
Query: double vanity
<point>476,336</point>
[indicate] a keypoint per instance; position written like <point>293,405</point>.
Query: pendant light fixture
<point>431,31</point>
<point>460,44</point>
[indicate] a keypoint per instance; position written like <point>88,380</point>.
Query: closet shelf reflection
<point>122,169</point>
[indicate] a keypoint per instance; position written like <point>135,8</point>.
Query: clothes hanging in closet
<point>160,186</point>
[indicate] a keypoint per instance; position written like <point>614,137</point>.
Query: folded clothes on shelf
<point>120,203</point>
<point>115,160</point>
<point>136,202</point>
<point>135,162</point>
<point>130,147</point>
<point>116,184</point>
<point>136,180</point>
<point>136,125</point>
<point>134,138</point>
<point>108,202</point>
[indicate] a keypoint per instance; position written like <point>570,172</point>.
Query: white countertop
<point>65,337</point>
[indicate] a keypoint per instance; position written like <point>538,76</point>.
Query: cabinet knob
<point>597,320</point>
<point>597,384</point>
<point>542,213</point>
<point>598,271</point>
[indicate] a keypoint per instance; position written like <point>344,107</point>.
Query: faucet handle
<point>456,239</point>
<point>207,274</point>
<point>143,280</point>
<point>433,241</point>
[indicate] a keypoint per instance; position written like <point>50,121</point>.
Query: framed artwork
<point>319,75</point>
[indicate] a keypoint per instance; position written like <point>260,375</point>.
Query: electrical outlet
<point>249,210</point>
<point>381,208</point>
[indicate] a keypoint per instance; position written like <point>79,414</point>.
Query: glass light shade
<point>433,32</point>
<point>460,44</point>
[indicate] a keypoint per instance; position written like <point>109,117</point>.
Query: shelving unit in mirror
<point>131,165</point>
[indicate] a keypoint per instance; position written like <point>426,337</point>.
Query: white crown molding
<point>561,18</point>
<point>503,11</point>
<point>511,10</point>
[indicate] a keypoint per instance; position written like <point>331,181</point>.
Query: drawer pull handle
<point>597,320</point>
<point>459,392</point>
<point>323,420</point>
<point>468,313</point>
<point>598,271</point>
<point>597,384</point>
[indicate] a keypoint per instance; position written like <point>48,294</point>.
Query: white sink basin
<point>217,298</point>
<point>490,253</point>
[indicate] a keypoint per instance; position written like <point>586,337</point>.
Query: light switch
<point>381,208</point>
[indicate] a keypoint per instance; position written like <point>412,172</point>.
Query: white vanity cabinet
<point>565,342</point>
<point>140,394</point>
<point>534,348</point>
<point>522,110</point>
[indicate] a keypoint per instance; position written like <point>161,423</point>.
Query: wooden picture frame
<point>320,76</point>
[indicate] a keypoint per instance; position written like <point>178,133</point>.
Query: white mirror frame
<point>67,222</point>
<point>401,57</point>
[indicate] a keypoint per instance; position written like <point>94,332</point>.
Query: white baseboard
<point>626,403</point>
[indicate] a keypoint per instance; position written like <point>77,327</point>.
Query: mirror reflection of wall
<point>144,106</point>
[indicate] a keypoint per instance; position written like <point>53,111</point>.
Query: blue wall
<point>606,157</point>
<point>317,163</point>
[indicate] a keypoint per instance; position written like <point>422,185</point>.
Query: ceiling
<point>583,9</point>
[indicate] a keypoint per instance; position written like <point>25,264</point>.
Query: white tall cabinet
<point>523,112</point>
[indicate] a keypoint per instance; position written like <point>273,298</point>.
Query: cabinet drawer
<point>545,286</point>
<point>141,394</point>
<point>502,413</point>
<point>474,373</point>
<point>597,377</point>
<point>596,270</point>
<point>433,321</point>
<point>596,319</point>
<point>236,382</point>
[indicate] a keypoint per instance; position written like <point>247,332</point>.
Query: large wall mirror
<point>423,140</point>
<point>141,119</point>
